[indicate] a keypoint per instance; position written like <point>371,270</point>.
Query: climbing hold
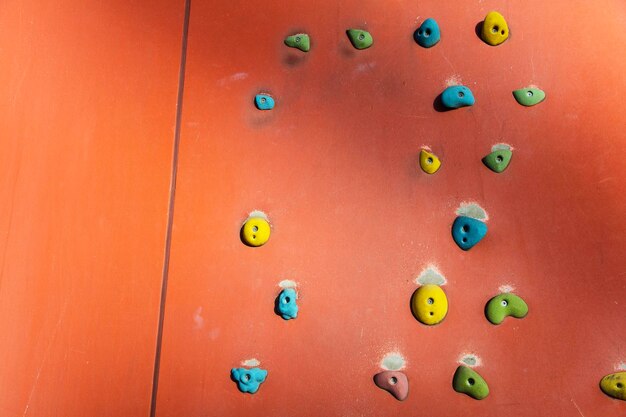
<point>457,96</point>
<point>468,381</point>
<point>529,96</point>
<point>467,231</point>
<point>255,231</point>
<point>360,39</point>
<point>429,162</point>
<point>428,33</point>
<point>300,41</point>
<point>394,382</point>
<point>429,304</point>
<point>248,380</point>
<point>495,30</point>
<point>264,102</point>
<point>287,305</point>
<point>614,385</point>
<point>498,160</point>
<point>505,305</point>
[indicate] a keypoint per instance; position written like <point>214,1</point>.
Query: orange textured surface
<point>335,167</point>
<point>87,116</point>
<point>87,112</point>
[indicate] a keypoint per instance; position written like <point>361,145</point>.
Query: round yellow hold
<point>614,385</point>
<point>495,30</point>
<point>429,162</point>
<point>429,304</point>
<point>255,231</point>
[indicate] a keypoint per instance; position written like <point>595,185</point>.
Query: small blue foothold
<point>264,102</point>
<point>457,96</point>
<point>428,33</point>
<point>467,231</point>
<point>287,305</point>
<point>248,380</point>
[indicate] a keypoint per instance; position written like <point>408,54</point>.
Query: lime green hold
<point>498,160</point>
<point>529,96</point>
<point>468,381</point>
<point>360,39</point>
<point>505,305</point>
<point>300,41</point>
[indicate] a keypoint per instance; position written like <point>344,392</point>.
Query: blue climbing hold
<point>287,305</point>
<point>428,33</point>
<point>457,96</point>
<point>264,102</point>
<point>467,232</point>
<point>248,380</point>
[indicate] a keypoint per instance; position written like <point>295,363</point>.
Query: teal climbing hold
<point>498,160</point>
<point>299,41</point>
<point>469,382</point>
<point>248,380</point>
<point>287,305</point>
<point>263,102</point>
<point>360,39</point>
<point>504,305</point>
<point>457,96</point>
<point>529,96</point>
<point>428,34</point>
<point>467,231</point>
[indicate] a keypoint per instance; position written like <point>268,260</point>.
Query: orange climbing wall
<point>87,113</point>
<point>88,96</point>
<point>354,219</point>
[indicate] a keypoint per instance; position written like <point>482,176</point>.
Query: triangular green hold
<point>498,160</point>
<point>360,39</point>
<point>467,381</point>
<point>300,41</point>
<point>529,96</point>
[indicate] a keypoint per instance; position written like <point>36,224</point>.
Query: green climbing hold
<point>505,305</point>
<point>529,96</point>
<point>300,41</point>
<point>360,39</point>
<point>467,381</point>
<point>498,160</point>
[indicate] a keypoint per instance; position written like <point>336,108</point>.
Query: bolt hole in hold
<point>499,159</point>
<point>430,301</point>
<point>427,32</point>
<point>471,381</point>
<point>432,313</point>
<point>253,236</point>
<point>419,32</point>
<point>464,240</point>
<point>495,29</point>
<point>465,228</point>
<point>429,160</point>
<point>298,39</point>
<point>504,303</point>
<point>255,229</point>
<point>286,300</point>
<point>393,380</point>
<point>361,37</point>
<point>246,377</point>
<point>619,385</point>
<point>529,93</point>
<point>461,94</point>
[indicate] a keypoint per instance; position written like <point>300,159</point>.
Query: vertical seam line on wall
<point>170,210</point>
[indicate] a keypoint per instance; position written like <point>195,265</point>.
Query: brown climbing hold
<point>394,382</point>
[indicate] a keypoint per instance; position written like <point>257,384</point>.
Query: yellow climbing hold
<point>614,385</point>
<point>429,162</point>
<point>255,231</point>
<point>495,30</point>
<point>429,304</point>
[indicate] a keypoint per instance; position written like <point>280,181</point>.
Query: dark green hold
<point>529,96</point>
<point>360,39</point>
<point>468,381</point>
<point>300,41</point>
<point>498,161</point>
<point>505,305</point>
